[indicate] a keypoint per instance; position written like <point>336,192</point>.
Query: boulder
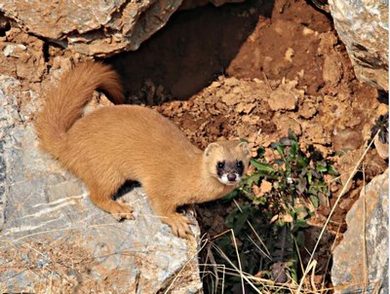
<point>361,261</point>
<point>363,27</point>
<point>52,237</point>
<point>96,28</point>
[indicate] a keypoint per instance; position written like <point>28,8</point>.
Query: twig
<point>238,260</point>
<point>365,274</point>
<point>236,269</point>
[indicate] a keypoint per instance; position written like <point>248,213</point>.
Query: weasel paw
<point>122,211</point>
<point>180,225</point>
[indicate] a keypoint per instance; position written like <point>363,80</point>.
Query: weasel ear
<point>244,147</point>
<point>210,148</point>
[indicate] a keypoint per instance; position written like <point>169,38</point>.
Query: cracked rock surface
<point>363,27</point>
<point>53,238</point>
<point>368,231</point>
<point>96,28</point>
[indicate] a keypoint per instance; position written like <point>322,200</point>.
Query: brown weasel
<point>122,142</point>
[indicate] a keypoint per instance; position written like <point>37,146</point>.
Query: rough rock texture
<point>53,238</point>
<point>367,232</point>
<point>95,28</point>
<point>363,27</point>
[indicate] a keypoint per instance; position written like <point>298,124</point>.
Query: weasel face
<point>227,161</point>
<point>230,172</point>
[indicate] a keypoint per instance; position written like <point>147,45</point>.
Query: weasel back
<point>64,103</point>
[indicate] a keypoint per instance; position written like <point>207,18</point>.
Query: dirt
<point>251,70</point>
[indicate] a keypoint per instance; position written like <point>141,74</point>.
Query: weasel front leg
<point>102,198</point>
<point>167,213</point>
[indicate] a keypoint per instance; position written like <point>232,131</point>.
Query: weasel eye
<point>221,164</point>
<point>240,164</point>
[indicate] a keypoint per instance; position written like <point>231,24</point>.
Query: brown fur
<point>117,143</point>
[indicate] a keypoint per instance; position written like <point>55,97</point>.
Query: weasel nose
<point>231,177</point>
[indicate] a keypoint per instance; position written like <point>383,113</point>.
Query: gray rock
<point>98,27</point>
<point>363,27</point>
<point>54,239</point>
<point>368,233</point>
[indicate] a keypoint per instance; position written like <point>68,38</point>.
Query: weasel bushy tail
<point>64,104</point>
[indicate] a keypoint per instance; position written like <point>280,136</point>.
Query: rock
<point>347,139</point>
<point>54,239</point>
<point>95,28</point>
<point>363,27</point>
<point>285,123</point>
<point>381,141</point>
<point>308,107</point>
<point>381,148</point>
<point>332,70</point>
<point>98,27</point>
<point>351,266</point>
<point>24,54</point>
<point>190,4</point>
<point>285,97</point>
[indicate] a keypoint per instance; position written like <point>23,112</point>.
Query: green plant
<point>295,176</point>
<point>280,195</point>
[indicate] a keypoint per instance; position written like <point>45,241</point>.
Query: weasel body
<point>127,142</point>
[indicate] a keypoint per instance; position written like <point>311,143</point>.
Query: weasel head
<point>227,161</point>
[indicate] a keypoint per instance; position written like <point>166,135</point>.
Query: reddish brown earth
<point>250,70</point>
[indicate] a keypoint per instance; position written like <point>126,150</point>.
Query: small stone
<point>11,48</point>
<point>285,97</point>
<point>308,109</point>
<point>288,55</point>
<point>307,31</point>
<point>230,99</point>
<point>281,100</point>
<point>245,107</point>
<point>347,139</point>
<point>285,123</point>
<point>332,69</point>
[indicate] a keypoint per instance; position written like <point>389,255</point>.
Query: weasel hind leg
<point>102,198</point>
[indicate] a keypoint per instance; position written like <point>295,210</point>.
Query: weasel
<point>128,142</point>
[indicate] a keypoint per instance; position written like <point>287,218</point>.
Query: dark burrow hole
<point>4,24</point>
<point>190,52</point>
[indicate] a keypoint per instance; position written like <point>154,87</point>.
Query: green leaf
<point>299,224</point>
<point>280,150</point>
<point>253,179</point>
<point>314,200</point>
<point>262,167</point>
<point>321,167</point>
<point>309,177</point>
<point>302,161</point>
<point>294,149</point>
<point>332,171</point>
